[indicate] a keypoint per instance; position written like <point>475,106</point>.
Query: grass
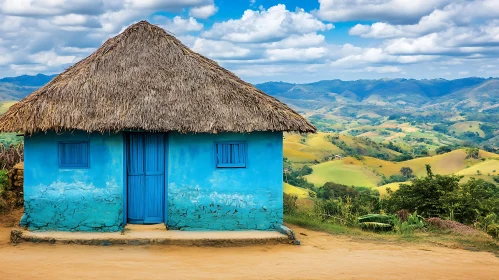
<point>392,186</point>
<point>485,167</point>
<point>482,243</point>
<point>445,164</point>
<point>299,192</point>
<point>348,172</point>
<point>4,106</point>
<point>308,148</point>
<point>305,221</point>
<point>470,126</point>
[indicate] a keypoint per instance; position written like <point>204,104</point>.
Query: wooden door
<point>146,178</point>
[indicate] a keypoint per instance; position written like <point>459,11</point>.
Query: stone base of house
<point>140,235</point>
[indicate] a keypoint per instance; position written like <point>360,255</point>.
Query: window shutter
<point>231,154</point>
<point>73,154</point>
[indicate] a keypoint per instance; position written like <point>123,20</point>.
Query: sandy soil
<point>321,256</point>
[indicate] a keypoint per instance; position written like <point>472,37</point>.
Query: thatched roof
<point>146,79</point>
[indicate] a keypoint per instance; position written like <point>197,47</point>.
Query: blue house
<point>146,131</point>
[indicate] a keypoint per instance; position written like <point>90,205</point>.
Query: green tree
<point>472,153</point>
<point>406,172</point>
<point>477,199</point>
<point>431,196</point>
<point>443,149</point>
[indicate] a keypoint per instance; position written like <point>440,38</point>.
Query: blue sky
<point>269,40</point>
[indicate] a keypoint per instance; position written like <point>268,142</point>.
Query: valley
<point>330,163</point>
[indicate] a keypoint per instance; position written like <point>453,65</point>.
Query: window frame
<point>60,146</point>
<point>229,165</point>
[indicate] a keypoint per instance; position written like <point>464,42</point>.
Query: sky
<point>269,40</point>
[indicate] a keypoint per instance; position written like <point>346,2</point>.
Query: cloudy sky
<point>269,40</point>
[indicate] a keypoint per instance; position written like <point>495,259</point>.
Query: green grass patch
<point>292,190</point>
<point>305,221</point>
<point>342,173</point>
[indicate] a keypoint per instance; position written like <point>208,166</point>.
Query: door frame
<point>125,175</point>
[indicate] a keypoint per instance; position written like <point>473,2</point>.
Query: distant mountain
<point>436,94</point>
<point>28,81</point>
<point>16,88</point>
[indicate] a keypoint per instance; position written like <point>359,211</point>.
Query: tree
<point>431,196</point>
<point>406,172</point>
<point>443,149</point>
<point>428,170</point>
<point>332,190</point>
<point>472,153</point>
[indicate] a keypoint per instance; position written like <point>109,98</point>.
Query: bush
<point>392,179</point>
<point>414,222</point>
<point>289,203</point>
<point>431,196</point>
<point>10,156</point>
<point>338,211</point>
<point>443,150</point>
<point>493,230</point>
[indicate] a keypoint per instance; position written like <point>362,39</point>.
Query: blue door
<point>146,178</point>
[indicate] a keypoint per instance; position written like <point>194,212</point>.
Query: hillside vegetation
<point>420,115</point>
<point>329,163</point>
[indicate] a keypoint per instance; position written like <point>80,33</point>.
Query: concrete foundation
<point>157,234</point>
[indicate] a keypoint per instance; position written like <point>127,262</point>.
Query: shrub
<point>289,203</point>
<point>431,196</point>
<point>472,153</point>
<point>493,230</point>
<point>339,211</point>
<point>443,149</point>
<point>10,156</point>
<point>414,222</point>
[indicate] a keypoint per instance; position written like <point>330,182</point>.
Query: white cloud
<point>415,37</point>
<point>166,5</point>
<point>384,10</point>
<point>296,54</point>
<point>39,8</point>
<point>50,59</point>
<point>219,49</point>
<point>180,25</point>
<point>49,35</point>
<point>456,14</point>
<point>273,24</point>
<point>375,56</point>
<point>298,41</point>
<point>203,11</point>
<point>383,69</point>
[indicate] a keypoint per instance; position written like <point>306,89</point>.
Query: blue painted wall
<point>202,196</point>
<point>73,199</point>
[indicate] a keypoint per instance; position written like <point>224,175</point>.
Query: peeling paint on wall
<point>201,196</point>
<point>89,199</point>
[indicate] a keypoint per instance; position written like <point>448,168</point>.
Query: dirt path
<point>321,256</point>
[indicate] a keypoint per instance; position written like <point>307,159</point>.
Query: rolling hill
<point>369,171</point>
<point>431,113</point>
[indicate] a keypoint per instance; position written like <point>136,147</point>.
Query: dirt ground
<point>321,256</point>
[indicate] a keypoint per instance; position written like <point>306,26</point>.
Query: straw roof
<point>146,79</point>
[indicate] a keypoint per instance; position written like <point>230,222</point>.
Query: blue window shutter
<point>231,154</point>
<point>73,154</point>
